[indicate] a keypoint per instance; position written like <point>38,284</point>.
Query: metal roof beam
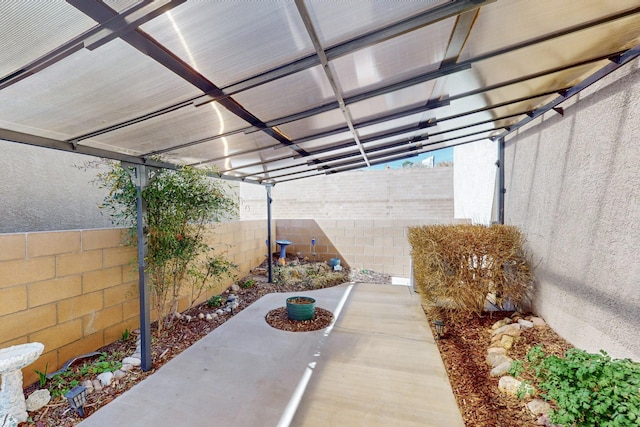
<point>616,62</point>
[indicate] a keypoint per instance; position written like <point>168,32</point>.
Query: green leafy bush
<point>181,205</point>
<point>588,389</point>
<point>215,301</point>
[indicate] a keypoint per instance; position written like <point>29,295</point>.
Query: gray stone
<point>501,369</point>
<point>498,350</point>
<point>235,288</point>
<point>132,361</point>
<point>38,399</point>
<point>538,407</point>
<point>126,367</point>
<point>209,317</point>
<point>512,329</point>
<point>219,312</point>
<point>200,316</point>
<point>97,385</point>
<point>105,378</point>
<point>119,374</point>
<point>495,359</point>
<point>525,323</point>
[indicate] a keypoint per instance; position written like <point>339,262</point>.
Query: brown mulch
<point>463,350</point>
<point>278,318</point>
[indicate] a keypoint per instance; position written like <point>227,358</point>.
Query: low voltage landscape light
<point>439,324</point>
<point>77,397</point>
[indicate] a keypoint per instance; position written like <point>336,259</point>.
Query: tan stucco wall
<point>76,291</point>
<point>573,186</point>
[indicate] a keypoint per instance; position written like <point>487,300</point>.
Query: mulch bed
<point>278,318</point>
<point>464,349</point>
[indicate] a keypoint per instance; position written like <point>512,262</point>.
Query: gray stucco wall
<point>425,193</point>
<point>573,186</point>
<point>41,190</point>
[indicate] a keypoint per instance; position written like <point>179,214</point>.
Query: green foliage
<point>247,284</point>
<point>42,376</point>
<point>181,204</point>
<point>516,368</point>
<point>64,381</point>
<point>588,389</point>
<point>126,334</point>
<point>215,301</point>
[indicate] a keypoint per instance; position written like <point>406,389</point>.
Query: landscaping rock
<point>235,288</point>
<point>200,316</point>
<point>510,386</point>
<point>219,312</point>
<point>132,361</point>
<point>506,329</point>
<point>501,323</point>
<point>105,378</point>
<point>88,384</point>
<point>208,317</point>
<point>498,350</point>
<point>495,359</point>
<point>38,399</point>
<point>119,374</point>
<point>525,323</point>
<point>126,367</point>
<point>501,369</point>
<point>544,420</point>
<point>538,407</point>
<point>506,342</point>
<point>538,321</point>
<point>97,385</point>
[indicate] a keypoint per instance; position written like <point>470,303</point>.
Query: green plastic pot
<point>301,308</point>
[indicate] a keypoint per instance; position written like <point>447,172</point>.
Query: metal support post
<point>141,179</point>
<point>501,189</point>
<point>269,251</point>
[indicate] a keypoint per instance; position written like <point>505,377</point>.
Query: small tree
<point>181,205</point>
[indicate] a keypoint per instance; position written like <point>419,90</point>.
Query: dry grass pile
<point>309,275</point>
<point>457,268</point>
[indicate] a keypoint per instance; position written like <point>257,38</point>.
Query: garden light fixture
<point>439,324</point>
<point>77,397</point>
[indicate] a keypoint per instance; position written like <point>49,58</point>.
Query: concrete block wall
<point>425,193</point>
<point>573,188</point>
<point>377,244</point>
<point>76,291</point>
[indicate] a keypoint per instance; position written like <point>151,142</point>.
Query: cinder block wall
<point>360,217</point>
<point>76,291</point>
<point>377,244</point>
<point>573,187</point>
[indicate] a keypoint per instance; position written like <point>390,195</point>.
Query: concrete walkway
<point>377,365</point>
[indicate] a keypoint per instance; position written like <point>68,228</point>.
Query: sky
<point>442,155</point>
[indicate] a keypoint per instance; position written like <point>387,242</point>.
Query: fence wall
<point>573,188</point>
<point>76,291</point>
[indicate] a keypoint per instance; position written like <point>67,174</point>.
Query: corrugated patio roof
<point>279,90</point>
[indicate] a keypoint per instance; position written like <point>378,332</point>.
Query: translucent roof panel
<point>300,77</point>
<point>412,96</point>
<point>90,90</point>
<point>206,35</point>
<point>527,20</point>
<point>186,125</point>
<point>314,124</point>
<point>30,29</point>
<point>339,21</point>
<point>298,92</point>
<point>395,59</point>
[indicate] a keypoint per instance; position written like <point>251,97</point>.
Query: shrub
<point>181,204</point>
<point>456,267</point>
<point>588,389</point>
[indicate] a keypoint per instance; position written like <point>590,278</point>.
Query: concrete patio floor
<point>378,365</point>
